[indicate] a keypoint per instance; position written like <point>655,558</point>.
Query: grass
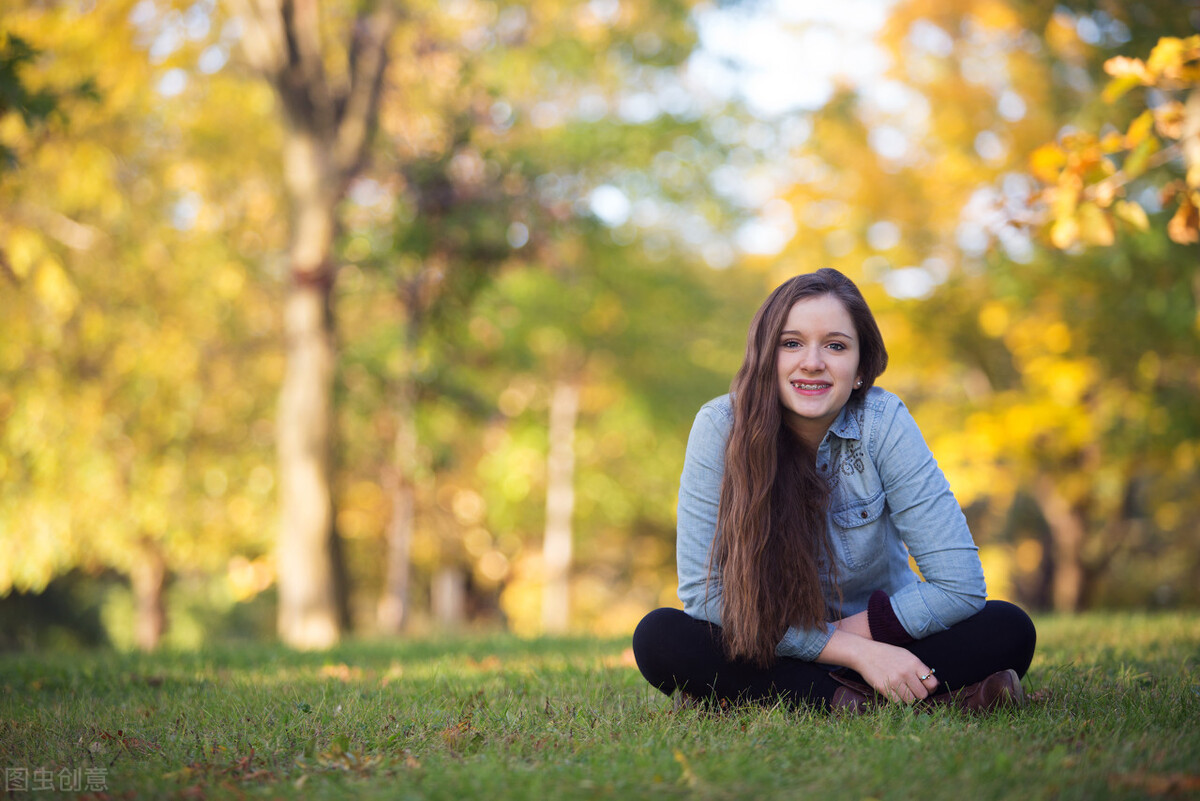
<point>1116,714</point>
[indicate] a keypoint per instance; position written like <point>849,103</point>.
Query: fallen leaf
<point>686,776</point>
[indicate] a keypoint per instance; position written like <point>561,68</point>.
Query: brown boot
<point>997,691</point>
<point>852,697</point>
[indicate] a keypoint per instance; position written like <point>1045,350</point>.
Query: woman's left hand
<point>897,674</point>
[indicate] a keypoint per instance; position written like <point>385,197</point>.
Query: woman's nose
<point>811,361</point>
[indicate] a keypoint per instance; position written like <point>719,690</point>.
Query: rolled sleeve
<point>933,528</point>
<point>806,644</point>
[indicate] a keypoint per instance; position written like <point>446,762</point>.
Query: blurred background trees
<point>523,243</point>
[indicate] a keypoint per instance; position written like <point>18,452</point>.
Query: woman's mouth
<point>810,386</point>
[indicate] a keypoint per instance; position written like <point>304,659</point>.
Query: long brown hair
<point>773,537</point>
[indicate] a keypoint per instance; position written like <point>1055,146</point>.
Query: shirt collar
<point>846,424</point>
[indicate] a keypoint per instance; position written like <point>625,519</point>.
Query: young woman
<point>804,493</point>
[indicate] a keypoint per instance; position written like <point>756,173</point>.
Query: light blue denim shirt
<point>888,499</point>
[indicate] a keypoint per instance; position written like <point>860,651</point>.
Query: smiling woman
<point>817,365</point>
<point>804,493</point>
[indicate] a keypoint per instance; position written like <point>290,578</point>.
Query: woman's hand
<point>896,674</point>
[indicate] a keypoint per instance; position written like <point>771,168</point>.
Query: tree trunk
<point>149,581</point>
<point>328,125</point>
<point>309,613</point>
<point>1068,530</point>
<point>308,598</point>
<point>394,603</point>
<point>560,506</point>
<point>402,477</point>
<point>449,597</point>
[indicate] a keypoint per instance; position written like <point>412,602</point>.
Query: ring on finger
<point>927,675</point>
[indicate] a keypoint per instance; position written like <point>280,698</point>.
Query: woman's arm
<point>932,526</point>
<point>855,624</point>
<point>699,496</point>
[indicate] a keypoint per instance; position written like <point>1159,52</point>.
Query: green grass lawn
<point>1114,713</point>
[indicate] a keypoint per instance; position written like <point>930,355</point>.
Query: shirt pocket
<point>851,519</point>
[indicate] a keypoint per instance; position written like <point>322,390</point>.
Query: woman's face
<point>817,364</point>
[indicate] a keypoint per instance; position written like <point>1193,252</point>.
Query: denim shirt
<point>888,499</point>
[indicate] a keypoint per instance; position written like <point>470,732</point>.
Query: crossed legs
<point>676,651</point>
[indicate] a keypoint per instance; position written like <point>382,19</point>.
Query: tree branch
<point>368,60</point>
<point>305,75</point>
<point>1190,139</point>
<point>262,35</point>
<point>75,235</point>
<point>6,269</point>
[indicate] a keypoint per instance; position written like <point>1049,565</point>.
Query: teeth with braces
<point>799,385</point>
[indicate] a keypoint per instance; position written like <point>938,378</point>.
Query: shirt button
<point>864,515</point>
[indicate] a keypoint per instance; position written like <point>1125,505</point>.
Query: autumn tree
<point>1065,412</point>
<point>328,86</point>
<point>133,355</point>
<point>1090,174</point>
<point>1098,184</point>
<point>37,108</point>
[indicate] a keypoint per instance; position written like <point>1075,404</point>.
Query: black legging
<point>677,651</point>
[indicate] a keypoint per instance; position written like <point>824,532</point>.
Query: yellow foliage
<point>997,561</point>
<point>521,598</point>
<point>1064,381</point>
<point>1169,118</point>
<point>54,288</point>
<point>1149,367</point>
<point>1126,67</point>
<point>1184,225</point>
<point>1065,231</point>
<point>229,280</point>
<point>85,180</point>
<point>469,507</point>
<point>248,578</point>
<point>1132,213</point>
<point>1139,129</point>
<point>23,248</point>
<point>1056,337</point>
<point>996,15</point>
<point>13,133</point>
<point>1095,225</point>
<point>1018,427</point>
<point>493,567</point>
<point>1124,81</point>
<point>1060,34</point>
<point>1185,456</point>
<point>1168,516</point>
<point>1176,59</point>
<point>1047,162</point>
<point>1028,555</point>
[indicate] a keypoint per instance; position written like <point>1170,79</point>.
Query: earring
<point>859,384</point>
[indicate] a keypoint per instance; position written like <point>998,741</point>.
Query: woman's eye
<point>791,344</point>
<point>837,346</point>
